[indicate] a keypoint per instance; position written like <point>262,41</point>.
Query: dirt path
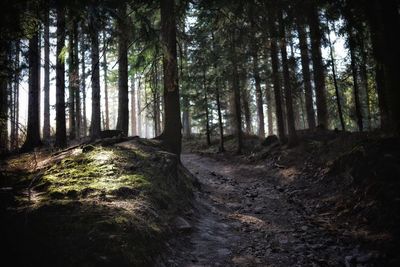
<point>242,217</point>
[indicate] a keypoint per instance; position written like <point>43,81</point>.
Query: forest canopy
<point>74,69</point>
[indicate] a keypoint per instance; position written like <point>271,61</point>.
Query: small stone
<point>182,225</point>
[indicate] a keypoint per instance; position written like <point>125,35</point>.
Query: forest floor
<point>305,206</point>
<point>108,203</point>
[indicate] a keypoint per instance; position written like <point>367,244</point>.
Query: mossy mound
<point>104,206</point>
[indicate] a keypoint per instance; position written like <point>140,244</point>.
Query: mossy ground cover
<point>108,206</point>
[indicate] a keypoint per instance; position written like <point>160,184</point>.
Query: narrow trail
<point>242,217</point>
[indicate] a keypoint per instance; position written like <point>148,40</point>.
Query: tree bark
<point>78,113</point>
<point>84,118</point>
<point>305,63</point>
<point>275,77</point>
<point>206,109</point>
<point>335,83</point>
<point>46,87</point>
<point>4,73</point>
<point>72,75</point>
<point>292,140</point>
<point>383,20</point>
<point>33,129</point>
<point>61,131</point>
<point>354,71</point>
<point>318,66</point>
<point>172,126</point>
<point>236,95</point>
<point>133,108</point>
<point>123,99</point>
<point>95,126</point>
<point>105,74</point>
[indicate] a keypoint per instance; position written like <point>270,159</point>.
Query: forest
<point>200,132</point>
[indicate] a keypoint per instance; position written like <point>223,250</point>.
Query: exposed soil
<point>245,215</point>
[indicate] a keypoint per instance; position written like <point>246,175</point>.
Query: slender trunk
<point>105,74</point>
<point>139,106</point>
<point>72,82</point>
<point>133,107</point>
<point>206,108</point>
<point>355,78</point>
<point>46,87</point>
<point>259,97</point>
<point>123,99</point>
<point>3,96</point>
<point>95,126</point>
<point>236,94</point>
<point>276,78</point>
<point>84,119</point>
<point>270,120</point>
<point>305,63</point>
<point>335,83</point>
<point>318,66</point>
<point>172,126</point>
<point>16,90</point>
<point>78,113</point>
<point>220,124</point>
<point>256,75</point>
<point>15,96</point>
<point>33,129</point>
<point>185,97</point>
<point>246,104</point>
<point>61,131</point>
<point>292,140</point>
<point>365,83</point>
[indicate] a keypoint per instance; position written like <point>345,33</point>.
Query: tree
<point>275,76</point>
<point>95,126</point>
<point>33,130</point>
<point>46,86</point>
<point>318,65</point>
<point>292,140</point>
<point>305,64</point>
<point>172,126</point>
<point>61,131</point>
<point>123,105</point>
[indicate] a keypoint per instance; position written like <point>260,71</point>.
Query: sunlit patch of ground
<point>94,206</point>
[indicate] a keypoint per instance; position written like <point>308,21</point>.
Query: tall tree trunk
<point>305,63</point>
<point>206,109</point>
<point>270,120</point>
<point>61,131</point>
<point>33,130</point>
<point>318,66</point>
<point>78,112</point>
<point>4,73</point>
<point>220,124</point>
<point>123,99</point>
<point>105,74</point>
<point>172,126</point>
<point>383,19</point>
<point>245,102</point>
<point>72,81</point>
<point>236,94</point>
<point>275,77</point>
<point>365,82</point>
<point>15,123</point>
<point>293,140</point>
<point>185,98</point>
<point>354,71</point>
<point>133,108</point>
<point>95,126</point>
<point>335,83</point>
<point>84,118</point>
<point>46,87</point>
<point>256,75</point>
<point>139,106</point>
